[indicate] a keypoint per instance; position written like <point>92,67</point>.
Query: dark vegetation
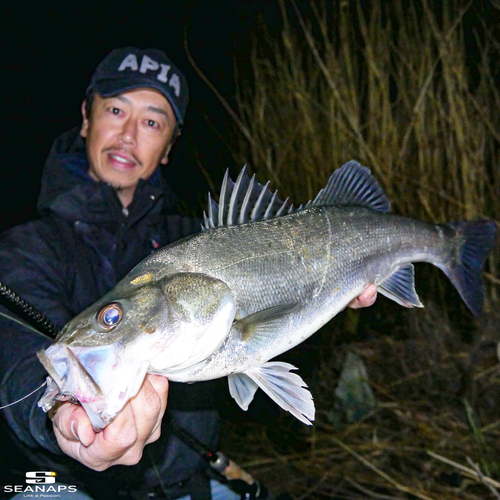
<point>409,89</point>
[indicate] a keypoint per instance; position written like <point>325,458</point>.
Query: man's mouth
<point>121,161</point>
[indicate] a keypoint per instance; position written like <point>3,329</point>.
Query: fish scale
<point>252,285</point>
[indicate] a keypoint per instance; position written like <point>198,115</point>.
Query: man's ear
<point>85,120</point>
<point>164,159</point>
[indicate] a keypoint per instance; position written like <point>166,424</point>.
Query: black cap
<point>130,68</point>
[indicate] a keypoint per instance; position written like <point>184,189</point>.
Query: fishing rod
<point>230,473</point>
<point>26,311</point>
<point>236,478</point>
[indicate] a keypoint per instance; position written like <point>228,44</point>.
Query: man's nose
<point>128,134</point>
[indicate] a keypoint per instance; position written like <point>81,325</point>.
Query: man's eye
<point>152,123</point>
<point>115,111</point>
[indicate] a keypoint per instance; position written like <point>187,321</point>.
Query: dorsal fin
<point>246,200</point>
<point>353,185</point>
<point>243,201</point>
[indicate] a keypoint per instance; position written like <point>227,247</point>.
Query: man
<point>104,207</point>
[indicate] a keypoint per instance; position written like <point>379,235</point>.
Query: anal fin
<point>286,389</point>
<point>400,287</point>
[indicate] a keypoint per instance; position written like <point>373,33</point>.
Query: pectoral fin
<point>286,389</point>
<point>263,323</point>
<point>400,287</point>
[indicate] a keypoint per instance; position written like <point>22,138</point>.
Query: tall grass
<point>389,85</point>
<point>397,86</point>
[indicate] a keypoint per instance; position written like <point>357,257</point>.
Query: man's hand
<point>367,298</point>
<point>123,440</point>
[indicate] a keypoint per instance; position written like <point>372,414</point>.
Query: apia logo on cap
<point>128,68</point>
<point>148,64</point>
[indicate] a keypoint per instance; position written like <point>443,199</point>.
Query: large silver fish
<point>256,282</point>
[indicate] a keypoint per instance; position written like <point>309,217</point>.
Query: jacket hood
<point>69,191</point>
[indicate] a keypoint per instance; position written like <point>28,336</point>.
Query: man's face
<point>127,137</point>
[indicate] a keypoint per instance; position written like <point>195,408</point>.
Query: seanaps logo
<point>40,484</point>
<point>40,477</point>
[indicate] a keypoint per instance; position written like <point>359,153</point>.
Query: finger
<point>112,444</point>
<point>160,385</point>
<point>367,298</point>
<point>121,434</point>
<point>149,405</point>
<point>136,425</point>
<point>72,423</point>
<point>155,435</point>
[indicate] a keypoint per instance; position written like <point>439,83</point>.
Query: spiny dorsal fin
<point>246,200</point>
<point>353,185</point>
<point>243,201</point>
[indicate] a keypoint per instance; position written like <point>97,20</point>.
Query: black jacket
<point>82,244</point>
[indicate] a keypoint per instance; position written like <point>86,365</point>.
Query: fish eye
<point>109,316</point>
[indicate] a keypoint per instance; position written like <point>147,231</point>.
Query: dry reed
<point>390,84</point>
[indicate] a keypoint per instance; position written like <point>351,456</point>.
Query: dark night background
<point>49,53</point>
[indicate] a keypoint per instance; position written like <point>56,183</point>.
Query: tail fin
<point>478,241</point>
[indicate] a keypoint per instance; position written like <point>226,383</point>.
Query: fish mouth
<point>52,394</point>
<point>97,378</point>
<point>75,384</point>
<point>44,359</point>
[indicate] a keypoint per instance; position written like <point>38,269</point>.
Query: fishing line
<point>24,397</point>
